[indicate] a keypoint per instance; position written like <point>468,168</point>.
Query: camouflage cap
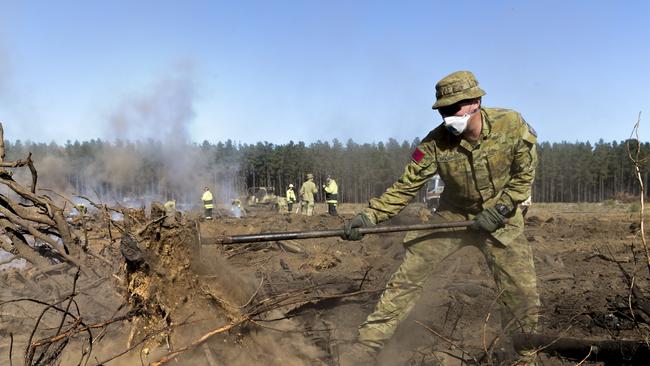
<point>455,87</point>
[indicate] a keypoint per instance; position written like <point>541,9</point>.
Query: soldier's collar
<point>487,124</point>
<point>486,128</point>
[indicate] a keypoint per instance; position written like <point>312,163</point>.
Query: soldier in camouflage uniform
<point>307,192</point>
<point>486,158</point>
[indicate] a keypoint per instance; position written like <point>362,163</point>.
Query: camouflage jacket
<point>308,190</point>
<point>498,168</point>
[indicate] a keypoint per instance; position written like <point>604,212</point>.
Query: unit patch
<point>417,155</point>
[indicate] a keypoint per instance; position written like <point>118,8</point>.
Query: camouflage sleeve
<point>518,189</point>
<point>417,172</point>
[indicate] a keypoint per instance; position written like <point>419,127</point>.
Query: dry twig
<point>447,340</point>
<point>635,157</point>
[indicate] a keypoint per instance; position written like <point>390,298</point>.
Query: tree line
<point>123,170</point>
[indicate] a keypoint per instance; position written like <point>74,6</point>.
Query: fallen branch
<point>21,246</point>
<point>36,233</point>
<point>20,163</point>
<point>612,352</point>
<point>170,356</point>
<point>152,222</point>
<point>27,213</point>
<point>607,258</point>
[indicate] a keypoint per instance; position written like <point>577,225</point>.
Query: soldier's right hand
<point>351,227</point>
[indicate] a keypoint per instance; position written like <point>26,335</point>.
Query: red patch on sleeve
<point>417,155</point>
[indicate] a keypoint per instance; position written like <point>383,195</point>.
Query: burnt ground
<point>581,255</point>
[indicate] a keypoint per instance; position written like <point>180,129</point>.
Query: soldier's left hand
<point>489,220</point>
<point>351,227</point>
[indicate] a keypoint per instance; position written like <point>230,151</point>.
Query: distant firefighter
<point>307,192</point>
<point>236,210</point>
<point>208,203</point>
<point>170,205</point>
<point>170,214</point>
<point>331,195</point>
<point>291,198</point>
<point>81,209</point>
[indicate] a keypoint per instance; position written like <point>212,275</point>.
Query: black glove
<point>490,219</point>
<point>351,227</point>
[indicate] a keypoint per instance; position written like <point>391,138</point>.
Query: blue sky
<point>316,70</point>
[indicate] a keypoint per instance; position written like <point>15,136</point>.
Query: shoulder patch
<point>417,155</point>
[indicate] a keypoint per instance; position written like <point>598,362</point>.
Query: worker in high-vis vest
<point>236,209</point>
<point>208,203</point>
<point>331,195</point>
<point>291,198</point>
<point>81,209</point>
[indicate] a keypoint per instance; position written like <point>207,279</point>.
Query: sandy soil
<point>191,289</point>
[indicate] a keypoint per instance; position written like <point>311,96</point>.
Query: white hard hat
<point>290,185</point>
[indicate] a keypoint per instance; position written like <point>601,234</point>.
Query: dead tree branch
<point>612,352</point>
<point>634,154</point>
<point>105,209</point>
<point>28,162</point>
<point>40,218</point>
<point>170,356</point>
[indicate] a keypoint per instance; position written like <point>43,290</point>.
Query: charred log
<point>611,352</point>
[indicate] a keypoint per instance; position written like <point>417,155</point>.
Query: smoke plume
<point>145,153</point>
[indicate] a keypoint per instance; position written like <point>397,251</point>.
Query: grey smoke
<point>164,113</point>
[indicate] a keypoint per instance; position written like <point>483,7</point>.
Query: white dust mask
<point>458,124</point>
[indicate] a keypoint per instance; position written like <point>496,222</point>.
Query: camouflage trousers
<point>307,208</point>
<point>512,267</point>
